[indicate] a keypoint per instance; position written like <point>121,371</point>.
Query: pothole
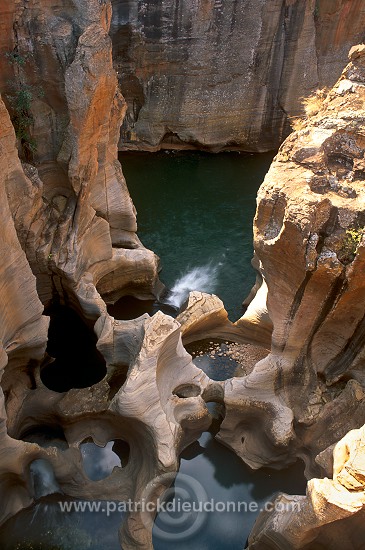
<point>99,462</point>
<point>46,436</point>
<point>187,390</point>
<point>221,360</point>
<point>77,363</point>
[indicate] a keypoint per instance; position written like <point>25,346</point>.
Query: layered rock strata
<point>68,230</point>
<point>68,223</point>
<point>225,75</point>
<point>23,331</point>
<point>309,236</point>
<point>72,209</point>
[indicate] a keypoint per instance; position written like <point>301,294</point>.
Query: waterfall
<point>43,478</point>
<point>202,278</point>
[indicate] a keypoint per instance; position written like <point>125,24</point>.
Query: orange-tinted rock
<point>23,328</point>
<point>309,237</point>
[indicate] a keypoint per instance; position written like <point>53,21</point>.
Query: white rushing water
<point>43,478</point>
<point>202,278</point>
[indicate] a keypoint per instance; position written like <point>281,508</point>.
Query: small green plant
<point>316,10</point>
<point>20,102</point>
<point>22,118</point>
<point>14,57</point>
<point>20,99</point>
<point>350,244</point>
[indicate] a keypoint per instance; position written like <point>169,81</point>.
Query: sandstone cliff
<point>219,74</point>
<point>309,238</point>
<point>67,221</point>
<point>23,328</point>
<point>68,231</point>
<point>77,216</point>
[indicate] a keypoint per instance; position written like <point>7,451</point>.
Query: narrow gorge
<point>124,377</point>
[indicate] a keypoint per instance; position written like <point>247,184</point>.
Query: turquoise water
<point>196,210</point>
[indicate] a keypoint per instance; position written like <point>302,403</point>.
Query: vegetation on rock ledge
<point>20,100</point>
<point>350,244</point>
<point>312,105</point>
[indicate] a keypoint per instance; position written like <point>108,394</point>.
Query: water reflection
<point>226,479</point>
<point>214,358</point>
<point>43,478</point>
<point>99,462</point>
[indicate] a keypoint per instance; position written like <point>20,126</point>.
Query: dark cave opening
<point>72,343</point>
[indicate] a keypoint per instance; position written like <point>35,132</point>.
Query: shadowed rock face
<point>215,74</point>
<point>23,329</point>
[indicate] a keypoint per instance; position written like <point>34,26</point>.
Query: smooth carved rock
<point>309,237</point>
<point>23,329</point>
<point>61,219</point>
<point>147,410</point>
<point>330,516</point>
<point>76,207</point>
<point>204,316</point>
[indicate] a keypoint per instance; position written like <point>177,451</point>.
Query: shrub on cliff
<point>312,105</point>
<point>20,102</point>
<point>350,244</point>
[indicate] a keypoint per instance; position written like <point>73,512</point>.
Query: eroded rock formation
<point>68,231</point>
<point>68,223</point>
<point>219,74</point>
<point>331,515</point>
<point>312,202</point>
<point>73,212</point>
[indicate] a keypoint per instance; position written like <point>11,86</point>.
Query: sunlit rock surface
<point>23,328</point>
<point>309,237</point>
<point>332,513</point>
<point>68,232</point>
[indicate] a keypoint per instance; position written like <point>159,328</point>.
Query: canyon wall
<point>76,215</point>
<point>309,238</point>
<point>216,74</point>
<point>68,227</point>
<point>23,328</point>
<point>69,232</point>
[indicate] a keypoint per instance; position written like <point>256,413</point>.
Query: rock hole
<point>216,358</point>
<point>129,307</point>
<point>117,380</point>
<point>217,412</point>
<point>77,364</point>
<point>99,462</point>
<point>45,436</point>
<point>187,390</point>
